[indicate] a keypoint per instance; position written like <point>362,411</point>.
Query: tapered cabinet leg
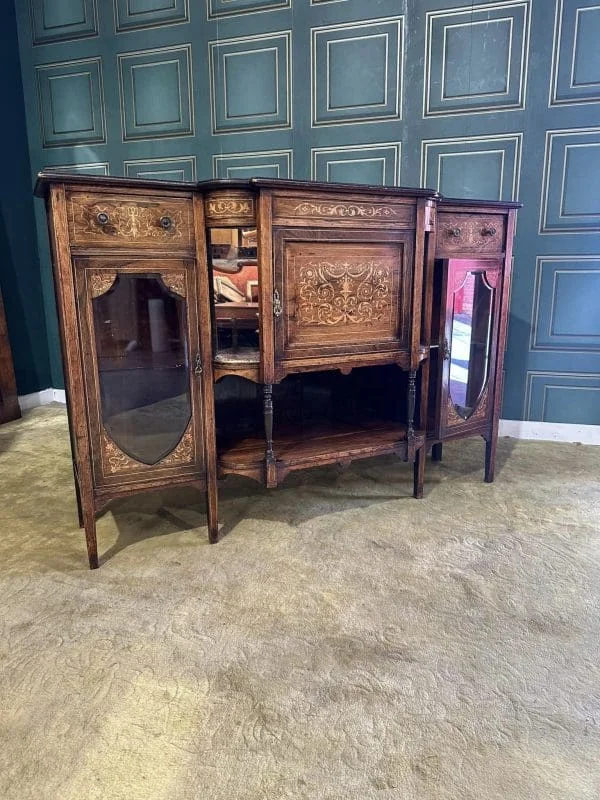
<point>490,459</point>
<point>89,523</point>
<point>419,473</point>
<point>436,452</point>
<point>212,512</point>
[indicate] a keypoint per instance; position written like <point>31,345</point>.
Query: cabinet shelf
<point>316,446</point>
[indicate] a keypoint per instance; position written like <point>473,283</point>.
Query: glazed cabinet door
<point>468,345</point>
<point>141,351</point>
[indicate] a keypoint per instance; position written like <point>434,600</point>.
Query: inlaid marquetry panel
<point>290,208</point>
<point>230,208</point>
<point>107,221</point>
<point>461,233</point>
<point>116,462</point>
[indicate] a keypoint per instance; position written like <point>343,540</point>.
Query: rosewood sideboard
<point>263,326</point>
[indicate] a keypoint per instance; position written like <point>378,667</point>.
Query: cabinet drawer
<point>102,220</point>
<point>470,233</point>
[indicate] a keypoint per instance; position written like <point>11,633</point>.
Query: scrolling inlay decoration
<point>478,415</point>
<point>114,460</point>
<point>174,281</point>
<point>129,219</point>
<point>345,210</point>
<point>101,281</point>
<point>340,292</point>
<point>230,207</point>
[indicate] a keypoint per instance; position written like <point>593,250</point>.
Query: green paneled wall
<point>20,279</point>
<point>498,100</point>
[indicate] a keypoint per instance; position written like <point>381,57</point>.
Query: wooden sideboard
<point>263,326</point>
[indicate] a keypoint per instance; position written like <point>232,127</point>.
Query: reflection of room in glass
<point>234,263</point>
<point>143,365</point>
<point>471,330</point>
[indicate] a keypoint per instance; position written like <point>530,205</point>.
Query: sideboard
<point>263,326</point>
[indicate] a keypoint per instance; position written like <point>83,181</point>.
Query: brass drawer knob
<point>489,231</point>
<point>102,218</point>
<point>454,232</point>
<point>166,223</point>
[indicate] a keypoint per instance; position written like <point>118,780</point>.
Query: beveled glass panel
<point>471,339</point>
<point>142,352</point>
<point>234,264</point>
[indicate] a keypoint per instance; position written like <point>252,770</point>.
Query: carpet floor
<point>342,641</point>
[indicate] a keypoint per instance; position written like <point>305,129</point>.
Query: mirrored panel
<point>142,352</point>
<point>471,339</point>
<point>233,255</point>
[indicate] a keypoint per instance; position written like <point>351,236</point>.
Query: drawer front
<point>346,213</point>
<point>100,220</point>
<point>470,233</point>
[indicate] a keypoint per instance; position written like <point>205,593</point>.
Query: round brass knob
<point>166,223</point>
<point>102,218</point>
<point>454,232</point>
<point>489,232</point>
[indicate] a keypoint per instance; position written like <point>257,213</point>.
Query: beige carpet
<point>342,641</point>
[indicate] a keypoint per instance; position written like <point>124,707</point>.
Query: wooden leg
<point>270,467</point>
<point>436,452</point>
<point>419,473</point>
<point>490,458</point>
<point>89,520</point>
<point>212,511</point>
<point>78,498</point>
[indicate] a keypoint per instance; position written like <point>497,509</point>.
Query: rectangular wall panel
<point>357,72</point>
<point>251,83</point>
<point>566,308</point>
<point>476,58</point>
<point>485,167</point>
<point>59,21</point>
<point>570,194</point>
<point>156,93</point>
<point>135,14</point>
<point>268,164</point>
<point>562,397</point>
<point>227,8</point>
<point>162,169</point>
<point>377,164</point>
<point>576,74</point>
<point>71,103</point>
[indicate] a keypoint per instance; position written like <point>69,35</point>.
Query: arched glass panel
<point>143,365</point>
<point>471,339</point>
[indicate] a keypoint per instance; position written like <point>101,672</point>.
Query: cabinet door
<point>140,344</point>
<point>341,294</point>
<point>469,345</point>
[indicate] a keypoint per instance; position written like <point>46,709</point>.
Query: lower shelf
<point>312,447</point>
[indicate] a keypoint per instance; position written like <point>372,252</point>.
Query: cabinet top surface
<point>47,178</point>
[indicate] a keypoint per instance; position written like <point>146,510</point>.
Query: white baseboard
<point>43,398</point>
<point>550,431</point>
<point>517,429</point>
